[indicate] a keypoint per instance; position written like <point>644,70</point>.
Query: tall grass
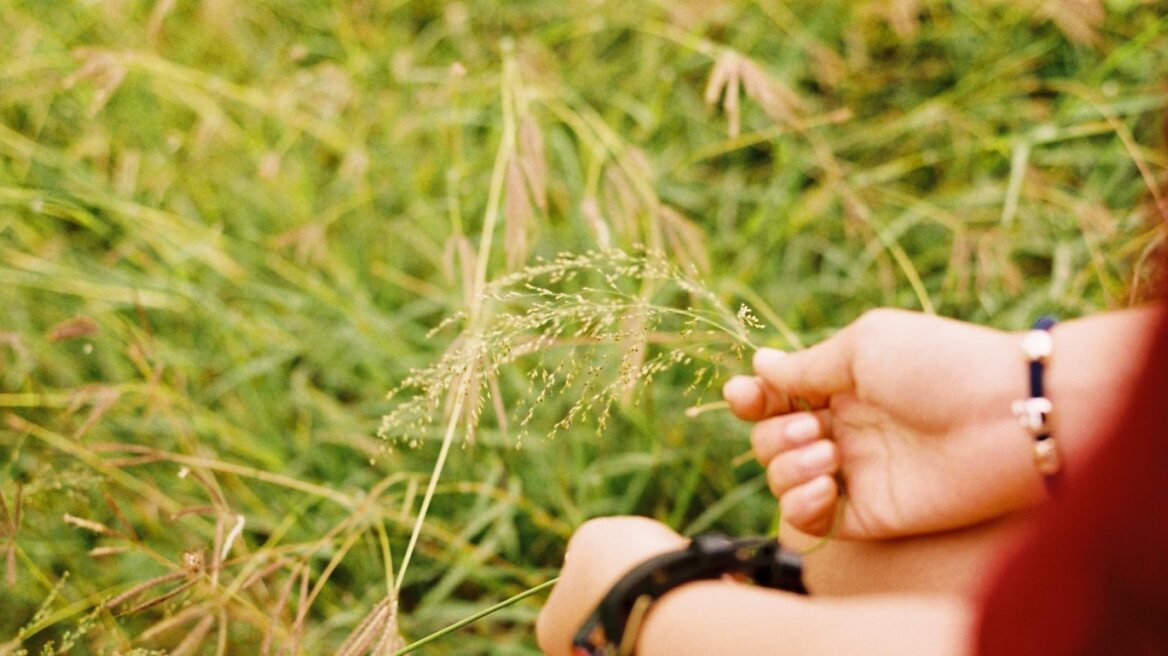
<point>227,229</point>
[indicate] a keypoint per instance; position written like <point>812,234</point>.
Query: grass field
<point>229,229</point>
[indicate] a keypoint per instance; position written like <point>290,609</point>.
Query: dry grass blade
<point>590,210</point>
<point>377,633</point>
<point>277,611</point>
<point>686,240</point>
<point>720,75</point>
<point>193,564</point>
<point>117,510</point>
<point>734,74</point>
<point>103,398</point>
<point>533,161</point>
<point>90,525</point>
<point>195,638</point>
<point>174,621</point>
<point>104,70</point>
<point>143,587</point>
<point>9,526</point>
<point>775,99</point>
<point>74,328</point>
<point>1079,20</point>
<point>518,217</point>
<point>623,206</point>
<point>160,599</point>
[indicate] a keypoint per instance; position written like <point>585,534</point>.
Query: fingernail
<point>817,456</point>
<point>802,429</point>
<point>739,386</point>
<point>767,357</point>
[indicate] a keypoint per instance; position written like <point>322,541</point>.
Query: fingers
<point>811,507</point>
<point>801,462</point>
<point>813,374</point>
<point>752,400</point>
<point>774,435</point>
<point>800,466</point>
<point>802,479</point>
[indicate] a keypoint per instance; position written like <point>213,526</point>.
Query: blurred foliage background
<point>228,228</point>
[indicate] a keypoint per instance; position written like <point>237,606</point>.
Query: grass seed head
<point>592,328</point>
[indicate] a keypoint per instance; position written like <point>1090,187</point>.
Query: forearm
<point>727,618</point>
<point>1094,365</point>
<point>951,563</point>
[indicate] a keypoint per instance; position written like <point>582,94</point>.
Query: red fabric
<point>1093,579</point>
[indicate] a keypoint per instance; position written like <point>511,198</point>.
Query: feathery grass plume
<point>518,216</point>
<point>734,72</point>
<point>526,190</point>
<point>565,316</point>
<point>684,239</point>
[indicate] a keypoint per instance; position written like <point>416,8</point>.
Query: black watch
<point>611,629</point>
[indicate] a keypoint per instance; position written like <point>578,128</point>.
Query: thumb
<point>813,374</point>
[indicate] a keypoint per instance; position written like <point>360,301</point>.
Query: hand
<point>599,553</point>
<point>910,412</point>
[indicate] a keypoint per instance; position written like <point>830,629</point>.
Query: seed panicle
<point>579,326</point>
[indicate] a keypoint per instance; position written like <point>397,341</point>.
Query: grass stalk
<point>414,646</point>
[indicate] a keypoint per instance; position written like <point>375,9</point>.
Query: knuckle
<point>872,319</point>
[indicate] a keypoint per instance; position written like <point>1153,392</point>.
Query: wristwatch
<point>611,630</point>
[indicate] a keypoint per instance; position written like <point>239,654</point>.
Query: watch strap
<point>611,629</point>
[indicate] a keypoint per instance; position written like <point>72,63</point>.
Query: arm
<point>1090,374</point>
<point>718,617</point>
<point>733,619</point>
<point>951,563</point>
<point>912,413</point>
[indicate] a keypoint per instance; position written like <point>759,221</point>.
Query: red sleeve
<point>1093,578</point>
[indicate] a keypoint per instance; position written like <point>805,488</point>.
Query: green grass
<point>262,210</point>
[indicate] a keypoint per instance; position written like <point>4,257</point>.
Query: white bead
<point>1037,345</point>
<point>1033,414</point>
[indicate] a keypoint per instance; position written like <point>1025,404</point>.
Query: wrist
<point>719,617</point>
<point>616,624</point>
<point>722,617</point>
<point>1094,364</point>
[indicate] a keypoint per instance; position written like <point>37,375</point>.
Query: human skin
<point>718,617</point>
<point>915,412</point>
<point>950,563</point>
<point>912,414</point>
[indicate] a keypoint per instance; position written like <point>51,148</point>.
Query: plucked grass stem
<point>476,617</point>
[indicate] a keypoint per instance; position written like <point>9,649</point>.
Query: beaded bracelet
<point>1034,412</point>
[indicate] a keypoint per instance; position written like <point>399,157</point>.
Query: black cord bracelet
<point>1034,412</point>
